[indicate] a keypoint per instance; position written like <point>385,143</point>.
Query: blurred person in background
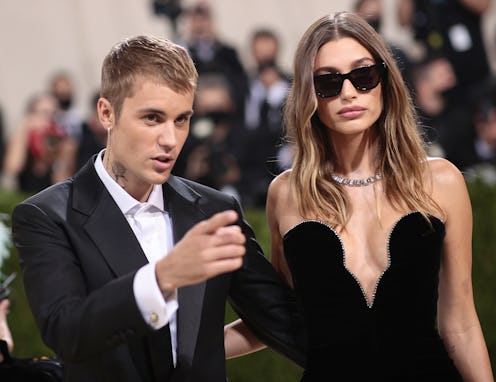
<point>33,153</point>
<point>210,53</point>
<point>210,152</point>
<point>372,11</point>
<point>93,135</point>
<point>481,151</point>
<point>441,127</point>
<point>62,87</point>
<point>263,127</point>
<point>452,30</point>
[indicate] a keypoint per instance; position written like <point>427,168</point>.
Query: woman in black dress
<point>374,236</point>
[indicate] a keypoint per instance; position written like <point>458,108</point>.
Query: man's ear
<point>106,113</point>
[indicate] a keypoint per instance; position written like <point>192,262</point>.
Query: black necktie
<point>264,114</point>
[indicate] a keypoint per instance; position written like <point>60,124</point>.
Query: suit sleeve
<point>266,304</point>
<point>75,323</point>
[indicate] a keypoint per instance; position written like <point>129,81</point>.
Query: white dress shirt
<point>152,226</point>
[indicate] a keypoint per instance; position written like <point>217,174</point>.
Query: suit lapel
<point>111,232</point>
<point>106,225</point>
<point>182,205</point>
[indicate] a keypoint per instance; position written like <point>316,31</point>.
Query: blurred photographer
<point>479,156</point>
<point>209,156</point>
<point>33,151</point>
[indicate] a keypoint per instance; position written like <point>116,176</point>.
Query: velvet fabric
<point>392,337</point>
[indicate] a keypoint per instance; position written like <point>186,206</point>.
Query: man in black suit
<point>126,267</point>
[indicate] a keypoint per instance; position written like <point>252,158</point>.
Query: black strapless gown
<point>391,338</point>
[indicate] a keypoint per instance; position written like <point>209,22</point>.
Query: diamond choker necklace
<point>357,182</point>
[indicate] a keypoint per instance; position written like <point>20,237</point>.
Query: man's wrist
<point>167,288</point>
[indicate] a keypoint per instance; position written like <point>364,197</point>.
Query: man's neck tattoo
<point>119,172</point>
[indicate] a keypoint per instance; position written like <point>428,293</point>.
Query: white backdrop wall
<point>40,37</point>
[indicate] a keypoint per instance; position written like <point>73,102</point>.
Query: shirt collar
<point>126,203</point>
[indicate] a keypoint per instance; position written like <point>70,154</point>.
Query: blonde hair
<point>147,56</point>
<point>401,147</point>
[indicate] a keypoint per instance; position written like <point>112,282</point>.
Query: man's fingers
<point>230,234</point>
<point>224,266</point>
<point>211,247</point>
<point>224,251</point>
<point>217,221</point>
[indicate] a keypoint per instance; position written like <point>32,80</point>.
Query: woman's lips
<point>351,112</point>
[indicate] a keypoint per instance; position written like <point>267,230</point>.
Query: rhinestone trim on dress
<point>370,303</point>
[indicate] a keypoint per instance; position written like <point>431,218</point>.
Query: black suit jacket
<point>79,256</point>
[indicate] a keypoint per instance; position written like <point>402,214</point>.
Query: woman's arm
<point>457,317</point>
<point>239,340</point>
<point>277,199</point>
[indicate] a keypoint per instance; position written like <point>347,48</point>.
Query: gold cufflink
<point>153,318</point>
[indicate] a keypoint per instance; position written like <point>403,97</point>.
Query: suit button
<point>153,318</point>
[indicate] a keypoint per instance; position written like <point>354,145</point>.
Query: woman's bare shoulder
<point>279,198</point>
<point>443,173</point>
<point>447,183</point>
<point>280,183</point>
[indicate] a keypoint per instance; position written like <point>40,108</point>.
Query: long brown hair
<point>401,148</point>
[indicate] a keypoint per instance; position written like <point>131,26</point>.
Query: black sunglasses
<point>363,79</point>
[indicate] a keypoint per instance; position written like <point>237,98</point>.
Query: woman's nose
<point>348,90</point>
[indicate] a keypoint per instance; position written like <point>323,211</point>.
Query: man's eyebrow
<point>151,110</point>
<point>187,113</point>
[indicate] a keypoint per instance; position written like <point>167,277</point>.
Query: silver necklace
<point>357,182</point>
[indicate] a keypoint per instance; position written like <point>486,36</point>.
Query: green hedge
<point>267,365</point>
<point>27,340</point>
<point>483,199</point>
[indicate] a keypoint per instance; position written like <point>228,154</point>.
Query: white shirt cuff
<point>156,310</point>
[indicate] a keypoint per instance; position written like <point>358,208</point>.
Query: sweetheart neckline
<point>369,303</point>
<point>395,223</point>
